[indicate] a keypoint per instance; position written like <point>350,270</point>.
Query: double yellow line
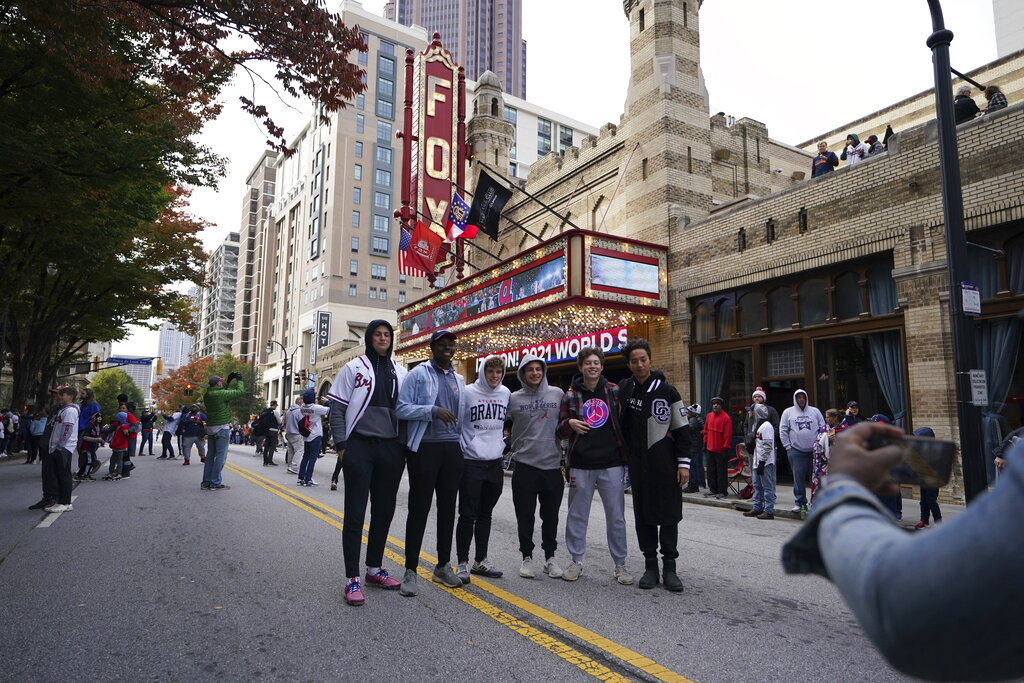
<point>585,663</point>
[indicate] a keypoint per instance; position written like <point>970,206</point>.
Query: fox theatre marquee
<point>578,289</point>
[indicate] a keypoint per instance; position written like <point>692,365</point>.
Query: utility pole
<point>962,329</point>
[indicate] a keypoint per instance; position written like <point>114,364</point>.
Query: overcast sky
<point>802,67</point>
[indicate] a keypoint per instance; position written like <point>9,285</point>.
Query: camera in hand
<point>924,461</point>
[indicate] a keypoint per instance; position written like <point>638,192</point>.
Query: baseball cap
<point>878,417</point>
<point>440,334</point>
<point>718,400</point>
<point>853,404</point>
<point>215,380</point>
<point>695,409</point>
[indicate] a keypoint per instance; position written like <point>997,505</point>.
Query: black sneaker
<point>220,487</point>
<point>42,504</point>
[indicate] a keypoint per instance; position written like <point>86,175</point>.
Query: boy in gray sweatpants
<point>589,417</point>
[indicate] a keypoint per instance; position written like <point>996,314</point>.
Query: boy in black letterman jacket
<point>657,434</point>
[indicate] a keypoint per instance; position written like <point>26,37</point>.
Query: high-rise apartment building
<point>482,35</point>
<point>141,374</point>
<point>1009,24</point>
<point>255,241</point>
<point>217,300</point>
<point>175,347</point>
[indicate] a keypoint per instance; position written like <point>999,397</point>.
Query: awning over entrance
<point>576,284</point>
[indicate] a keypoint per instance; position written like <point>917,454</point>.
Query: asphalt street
<point>151,578</point>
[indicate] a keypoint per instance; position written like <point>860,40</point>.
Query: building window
<point>351,290</point>
<point>512,150</point>
<point>357,195</point>
<point>381,177</point>
<point>382,200</point>
<point>355,244</point>
<point>384,131</point>
<point>353,267</point>
<point>543,137</point>
<point>813,302</point>
<point>359,149</point>
<point>751,315</point>
<point>385,65</point>
<point>401,296</point>
<point>385,87</point>
<point>355,219</point>
<point>784,360</point>
<point>511,114</point>
<point>363,60</point>
<point>564,139</point>
<point>780,308</point>
<point>513,169</point>
<point>357,172</point>
<point>381,224</point>
<point>380,245</point>
<point>360,101</point>
<point>386,48</point>
<point>378,271</point>
<point>373,292</point>
<point>384,155</point>
<point>383,294</point>
<point>402,278</point>
<point>847,296</point>
<point>385,109</point>
<point>360,124</point>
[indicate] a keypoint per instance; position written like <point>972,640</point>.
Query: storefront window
<point>703,321</point>
<point>780,308</point>
<point>983,270</point>
<point>845,372</point>
<point>724,319</point>
<point>751,315</point>
<point>784,360</point>
<point>881,290</point>
<point>847,298</point>
<point>813,302</point>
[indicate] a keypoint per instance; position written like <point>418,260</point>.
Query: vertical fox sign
<point>433,143</point>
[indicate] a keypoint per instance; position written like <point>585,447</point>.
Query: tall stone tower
<point>667,160</point>
<point>488,134</point>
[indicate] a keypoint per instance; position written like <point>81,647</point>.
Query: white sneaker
<point>552,569</point>
<point>312,482</point>
<point>292,471</point>
<point>795,508</point>
<point>57,507</point>
<point>622,575</point>
<point>573,571</point>
<point>526,569</point>
<point>462,571</point>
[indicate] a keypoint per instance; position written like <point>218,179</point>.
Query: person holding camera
<point>218,428</point>
<point>927,601</point>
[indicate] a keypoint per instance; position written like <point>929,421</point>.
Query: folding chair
<point>739,470</point>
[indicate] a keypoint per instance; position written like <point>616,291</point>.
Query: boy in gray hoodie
<point>532,419</point>
<point>482,411</point>
<point>798,430</point>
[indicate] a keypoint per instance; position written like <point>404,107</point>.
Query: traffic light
<point>297,378</point>
<point>159,367</point>
<point>188,389</point>
<point>305,378</point>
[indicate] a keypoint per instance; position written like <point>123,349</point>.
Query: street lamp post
<point>964,355</point>
<point>286,371</point>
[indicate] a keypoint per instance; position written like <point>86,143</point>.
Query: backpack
<point>304,428</point>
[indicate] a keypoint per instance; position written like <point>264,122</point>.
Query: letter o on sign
<point>433,171</point>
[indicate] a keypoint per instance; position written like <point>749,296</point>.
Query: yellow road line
<point>616,650</point>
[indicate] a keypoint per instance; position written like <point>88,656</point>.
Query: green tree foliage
<point>109,384</point>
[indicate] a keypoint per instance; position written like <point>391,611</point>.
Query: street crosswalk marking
<point>582,661</point>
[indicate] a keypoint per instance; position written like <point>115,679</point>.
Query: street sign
<point>979,388</point>
<point>971,298</point>
<point>130,361</point>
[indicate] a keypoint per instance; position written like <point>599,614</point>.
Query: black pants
<point>930,504</point>
<point>649,535</point>
<point>530,485</point>
<point>373,470</point>
<point>167,445</point>
<point>269,445</point>
<point>437,467</point>
<point>57,476</point>
<point>479,491</point>
<point>35,447</point>
<point>718,471</point>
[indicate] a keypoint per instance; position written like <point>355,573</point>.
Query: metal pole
<point>964,356</point>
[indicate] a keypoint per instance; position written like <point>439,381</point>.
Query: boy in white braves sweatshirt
<point>482,411</point>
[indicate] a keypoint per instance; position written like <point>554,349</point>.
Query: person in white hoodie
<point>798,430</point>
<point>482,411</point>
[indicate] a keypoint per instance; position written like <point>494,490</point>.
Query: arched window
<point>703,323</point>
<point>881,290</point>
<point>751,317</point>
<point>813,302</point>
<point>780,308</point>
<point>847,296</point>
<point>723,319</point>
<point>494,106</point>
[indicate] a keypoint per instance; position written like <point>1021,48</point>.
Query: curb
<point>738,505</point>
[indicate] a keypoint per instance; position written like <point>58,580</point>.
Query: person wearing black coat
<point>657,435</point>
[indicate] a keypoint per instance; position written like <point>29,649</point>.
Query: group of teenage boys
<point>452,439</point>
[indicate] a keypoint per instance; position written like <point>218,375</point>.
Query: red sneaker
<point>354,593</point>
<point>382,580</point>
<point>202,459</point>
<point>920,525</point>
<point>185,463</point>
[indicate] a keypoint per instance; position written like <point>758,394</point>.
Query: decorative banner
<point>609,341</point>
<point>322,334</point>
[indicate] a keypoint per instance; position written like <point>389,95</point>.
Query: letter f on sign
<point>433,96</point>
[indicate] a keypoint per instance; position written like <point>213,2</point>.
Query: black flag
<point>489,199</point>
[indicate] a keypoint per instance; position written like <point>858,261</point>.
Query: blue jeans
<point>764,490</point>
<point>147,437</point>
<point>800,464</point>
<point>310,453</point>
<point>697,479</point>
<point>218,455</point>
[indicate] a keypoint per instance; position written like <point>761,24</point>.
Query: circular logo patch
<point>595,412</point>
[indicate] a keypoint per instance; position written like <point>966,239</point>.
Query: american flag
<point>403,248</point>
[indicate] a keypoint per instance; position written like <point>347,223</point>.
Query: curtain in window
<point>982,270</point>
<point>881,291</point>
<point>997,343</point>
<point>887,357</point>
<point>710,375</point>
<point>1015,264</point>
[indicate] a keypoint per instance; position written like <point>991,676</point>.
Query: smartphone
<point>923,461</point>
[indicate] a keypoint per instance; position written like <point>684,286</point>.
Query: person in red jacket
<point>717,443</point>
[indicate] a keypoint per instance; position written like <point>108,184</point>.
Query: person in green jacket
<point>218,428</point>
